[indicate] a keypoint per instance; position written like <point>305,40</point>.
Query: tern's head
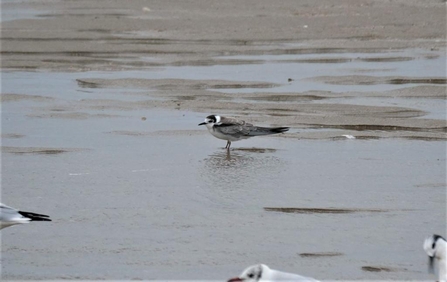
<point>210,121</point>
<point>435,247</point>
<point>252,273</point>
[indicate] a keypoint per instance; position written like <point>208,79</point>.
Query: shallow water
<point>375,73</point>
<point>10,11</point>
<point>145,207</point>
<point>147,194</point>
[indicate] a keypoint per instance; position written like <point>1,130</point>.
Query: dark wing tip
<point>40,219</point>
<point>280,129</point>
<point>35,216</point>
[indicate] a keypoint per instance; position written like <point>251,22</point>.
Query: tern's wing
<point>8,214</point>
<point>35,216</point>
<point>233,126</point>
<point>11,215</point>
<point>233,129</point>
<point>257,130</point>
<point>6,211</point>
<point>4,207</point>
<point>233,121</point>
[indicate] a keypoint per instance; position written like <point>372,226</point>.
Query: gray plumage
<point>232,129</point>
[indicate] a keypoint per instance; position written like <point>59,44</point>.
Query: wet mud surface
<point>319,210</point>
<point>28,150</point>
<point>318,255</point>
<point>100,112</point>
<point>377,269</point>
<point>368,80</point>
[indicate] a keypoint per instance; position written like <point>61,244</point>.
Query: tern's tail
<point>267,130</point>
<point>35,216</point>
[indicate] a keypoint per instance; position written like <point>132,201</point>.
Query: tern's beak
<point>431,262</point>
<point>235,279</point>
<point>202,123</point>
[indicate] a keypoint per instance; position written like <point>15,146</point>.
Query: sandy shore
<point>79,35</point>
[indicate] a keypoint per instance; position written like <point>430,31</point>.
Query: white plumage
<point>435,247</point>
<point>11,216</point>
<point>262,273</point>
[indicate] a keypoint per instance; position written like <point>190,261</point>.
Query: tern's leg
<point>228,145</point>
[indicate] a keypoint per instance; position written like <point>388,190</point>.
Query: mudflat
<point>100,106</point>
<point>81,36</point>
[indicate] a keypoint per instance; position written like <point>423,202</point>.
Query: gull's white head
<point>210,121</point>
<point>435,247</point>
<point>252,273</point>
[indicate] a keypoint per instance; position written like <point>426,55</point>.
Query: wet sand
<point>100,106</point>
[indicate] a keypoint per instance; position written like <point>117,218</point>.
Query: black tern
<point>261,272</point>
<point>435,247</point>
<point>232,129</point>
<point>10,216</point>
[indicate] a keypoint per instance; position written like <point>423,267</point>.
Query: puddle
<point>321,210</point>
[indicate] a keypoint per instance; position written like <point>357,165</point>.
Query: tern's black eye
<point>251,275</point>
<point>433,245</point>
